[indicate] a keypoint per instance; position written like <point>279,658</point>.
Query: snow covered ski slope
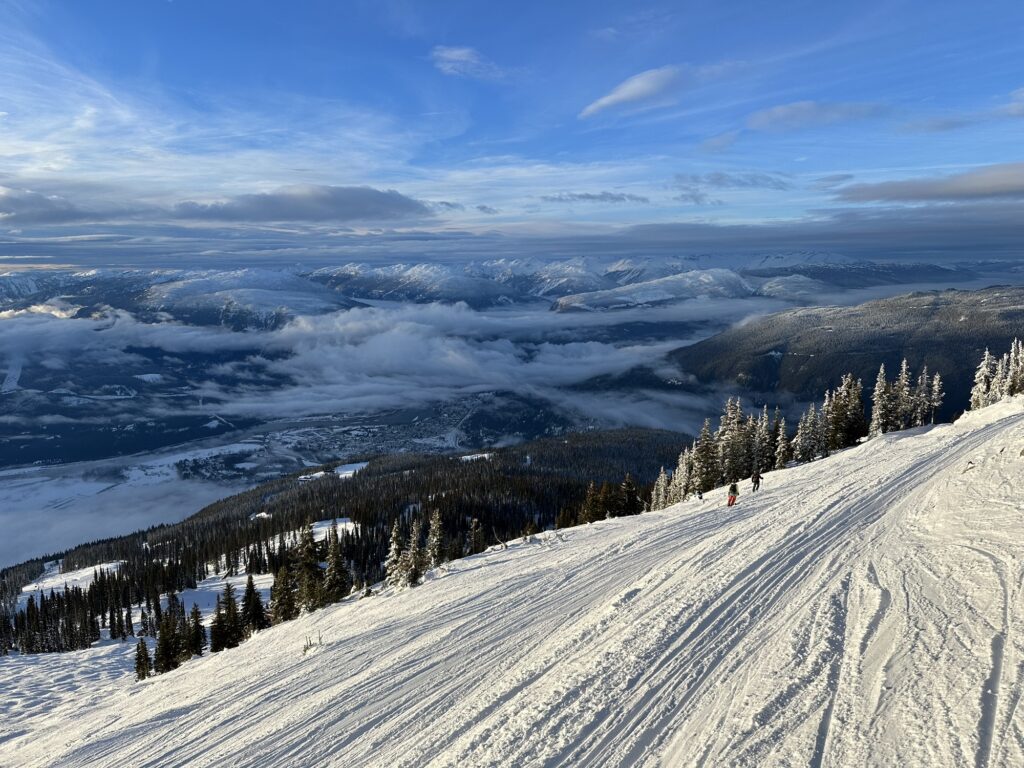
<point>863,610</point>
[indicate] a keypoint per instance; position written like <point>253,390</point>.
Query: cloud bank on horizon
<point>403,128</point>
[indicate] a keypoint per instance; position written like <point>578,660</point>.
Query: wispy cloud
<point>465,62</point>
<point>805,114</point>
<point>594,197</point>
<point>647,89</point>
<point>695,188</point>
<point>1011,108</point>
<point>1005,180</point>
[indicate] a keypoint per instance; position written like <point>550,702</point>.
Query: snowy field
<point>864,610</point>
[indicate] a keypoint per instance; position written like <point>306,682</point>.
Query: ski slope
<point>863,610</point>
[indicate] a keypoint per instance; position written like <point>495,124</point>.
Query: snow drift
<point>860,610</point>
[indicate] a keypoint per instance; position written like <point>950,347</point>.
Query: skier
<point>755,479</point>
<point>734,492</point>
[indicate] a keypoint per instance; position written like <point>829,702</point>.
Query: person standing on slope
<point>755,479</point>
<point>734,492</point>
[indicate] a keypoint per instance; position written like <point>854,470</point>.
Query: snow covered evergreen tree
<point>983,381</point>
<point>394,573</point>
<point>782,448</point>
<point>435,540</point>
<point>706,469</point>
<point>413,559</point>
<point>659,494</point>
<point>884,406</point>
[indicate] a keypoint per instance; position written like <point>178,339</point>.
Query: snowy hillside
<point>860,610</point>
<point>706,283</point>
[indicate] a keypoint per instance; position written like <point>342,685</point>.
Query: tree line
<point>748,444</point>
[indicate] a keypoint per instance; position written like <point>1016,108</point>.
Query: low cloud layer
<point>1002,181</point>
<point>309,202</point>
<point>594,197</point>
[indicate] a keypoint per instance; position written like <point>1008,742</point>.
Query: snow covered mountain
<point>860,610</point>
<point>696,284</point>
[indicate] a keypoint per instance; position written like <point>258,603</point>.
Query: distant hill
<point>804,351</point>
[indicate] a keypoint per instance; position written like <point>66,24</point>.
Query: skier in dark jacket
<point>755,479</point>
<point>734,492</point>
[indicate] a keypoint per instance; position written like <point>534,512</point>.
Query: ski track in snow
<point>858,611</point>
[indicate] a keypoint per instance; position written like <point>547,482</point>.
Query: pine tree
<point>143,665</point>
<point>337,579</point>
<point>883,406</point>
<point>282,597</point>
<point>196,632</point>
<point>706,470</point>
<point>435,539</point>
<point>475,541</point>
<point>659,492</point>
<point>413,558</point>
<point>782,450</point>
<point>166,655</point>
<point>592,510</point>
<point>630,501</point>
<point>937,396</point>
<point>217,633</point>
<point>983,381</point>
<point>394,566</point>
<point>904,406</point>
<point>233,630</point>
<point>254,615</point>
<point>309,575</point>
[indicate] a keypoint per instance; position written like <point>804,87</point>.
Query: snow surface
<point>861,610</point>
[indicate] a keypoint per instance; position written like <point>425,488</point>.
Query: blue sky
<point>295,127</point>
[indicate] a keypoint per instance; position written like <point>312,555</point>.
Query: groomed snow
<point>861,610</point>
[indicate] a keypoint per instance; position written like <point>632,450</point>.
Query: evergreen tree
<point>782,450</point>
<point>143,665</point>
<point>435,539</point>
<point>233,630</point>
<point>630,501</point>
<point>936,398</point>
<point>282,596</point>
<point>884,406</point>
<point>983,381</point>
<point>413,558</point>
<point>475,541</point>
<point>394,566</point>
<point>904,405</point>
<point>217,628</point>
<point>337,579</point>
<point>706,469</point>
<point>196,632</point>
<point>659,498</point>
<point>166,655</point>
<point>254,615</point>
<point>309,575</point>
